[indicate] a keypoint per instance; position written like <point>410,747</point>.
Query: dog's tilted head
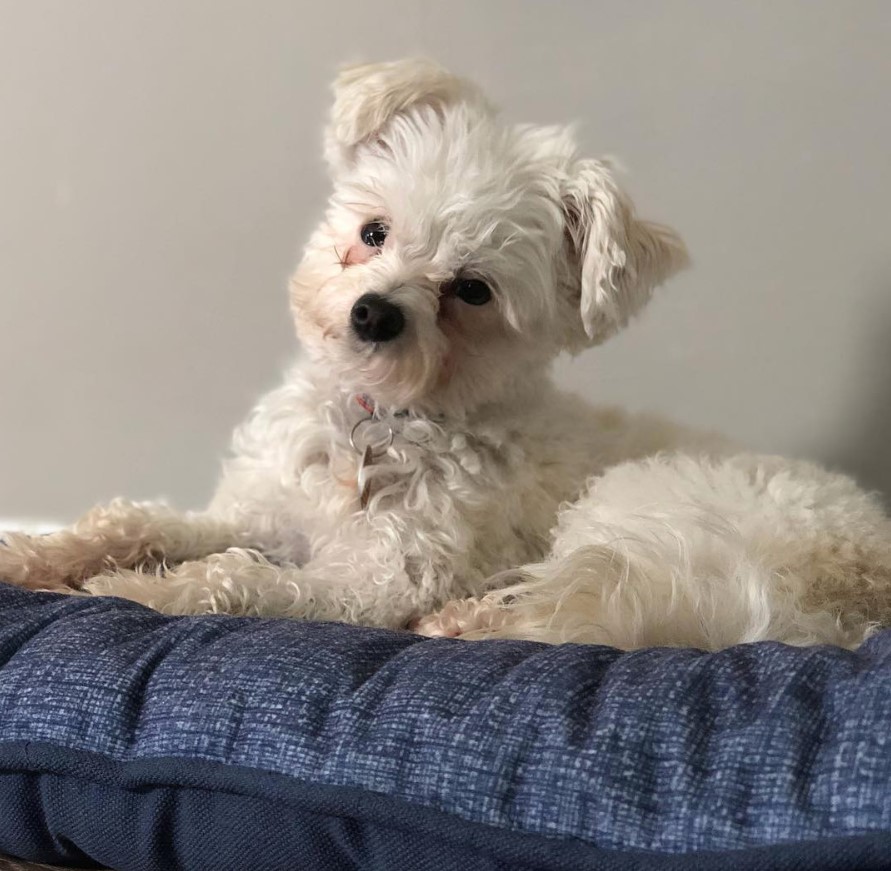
<point>460,254</point>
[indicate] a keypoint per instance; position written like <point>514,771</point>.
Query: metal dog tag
<point>367,453</point>
<point>365,488</point>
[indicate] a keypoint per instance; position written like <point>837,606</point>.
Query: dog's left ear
<point>368,96</point>
<point>620,259</point>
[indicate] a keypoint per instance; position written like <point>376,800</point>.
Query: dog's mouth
<point>397,373</point>
<point>366,349</point>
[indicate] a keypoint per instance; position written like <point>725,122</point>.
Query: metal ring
<point>382,447</point>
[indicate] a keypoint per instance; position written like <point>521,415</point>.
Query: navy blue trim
<point>83,809</point>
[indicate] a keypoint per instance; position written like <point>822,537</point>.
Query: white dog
<point>419,469</point>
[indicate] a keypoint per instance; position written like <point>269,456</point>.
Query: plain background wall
<point>160,168</point>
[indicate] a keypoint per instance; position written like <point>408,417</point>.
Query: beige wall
<point>159,169</point>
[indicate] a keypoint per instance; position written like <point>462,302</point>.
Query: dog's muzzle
<point>375,319</point>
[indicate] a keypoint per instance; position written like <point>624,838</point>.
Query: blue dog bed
<point>137,741</point>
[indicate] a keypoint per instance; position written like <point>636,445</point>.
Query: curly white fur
<point>517,510</point>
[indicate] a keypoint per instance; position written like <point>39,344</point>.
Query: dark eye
<point>374,234</point>
<point>473,291</point>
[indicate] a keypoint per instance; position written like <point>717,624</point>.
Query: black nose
<point>374,319</point>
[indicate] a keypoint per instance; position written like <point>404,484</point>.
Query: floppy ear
<point>620,259</point>
<point>366,97</point>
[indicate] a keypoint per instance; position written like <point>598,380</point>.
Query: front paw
<point>26,561</point>
<point>58,561</point>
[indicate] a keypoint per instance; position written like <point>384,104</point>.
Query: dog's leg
<point>471,618</point>
<point>123,534</point>
<point>536,608</point>
<point>243,582</point>
<point>707,553</point>
<point>593,597</point>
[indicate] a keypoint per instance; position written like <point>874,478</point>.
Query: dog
<point>419,470</point>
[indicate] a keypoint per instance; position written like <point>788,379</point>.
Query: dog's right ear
<point>619,258</point>
<point>366,97</point>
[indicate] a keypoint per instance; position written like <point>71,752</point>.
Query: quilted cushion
<point>139,741</point>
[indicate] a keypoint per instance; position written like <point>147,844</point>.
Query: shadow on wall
<point>866,452</point>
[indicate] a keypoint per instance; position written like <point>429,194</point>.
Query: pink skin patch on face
<point>355,254</point>
<point>357,251</point>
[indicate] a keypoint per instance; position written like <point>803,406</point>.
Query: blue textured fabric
<point>576,751</point>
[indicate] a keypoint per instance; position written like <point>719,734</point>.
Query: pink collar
<point>366,402</point>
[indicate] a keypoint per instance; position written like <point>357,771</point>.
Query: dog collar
<point>365,402</point>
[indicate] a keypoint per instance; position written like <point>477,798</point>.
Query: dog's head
<point>460,254</point>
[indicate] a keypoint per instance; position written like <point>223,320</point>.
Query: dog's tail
<point>701,584</point>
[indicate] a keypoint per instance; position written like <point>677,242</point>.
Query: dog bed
<point>133,740</point>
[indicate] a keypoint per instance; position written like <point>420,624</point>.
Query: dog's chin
<point>432,391</point>
<point>395,377</point>
<point>404,376</point>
